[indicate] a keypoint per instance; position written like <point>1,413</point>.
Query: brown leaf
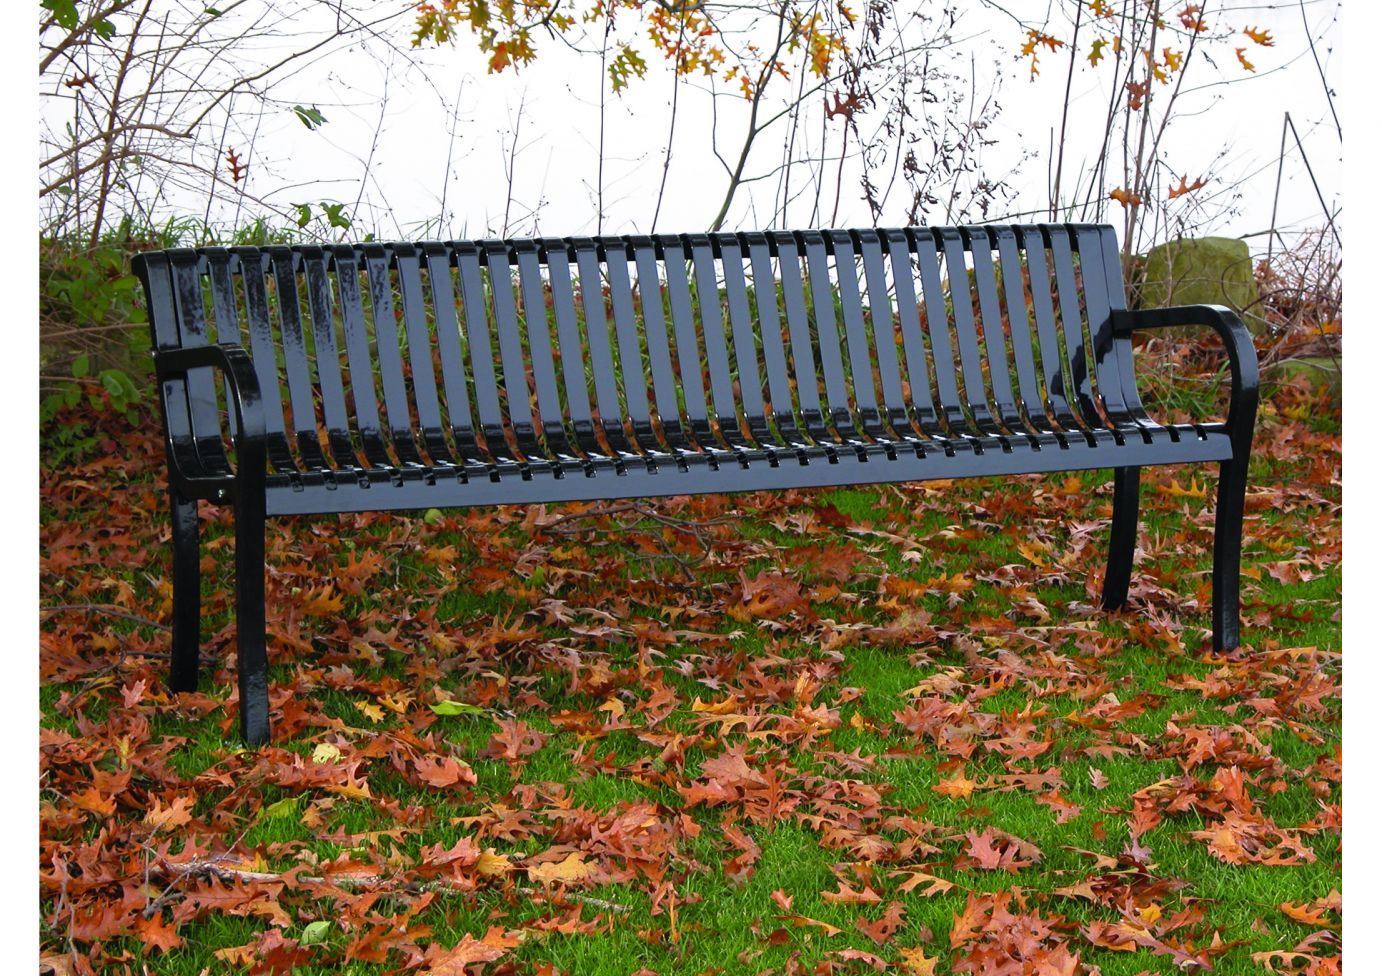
<point>958,787</point>
<point>916,963</point>
<point>848,896</point>
<point>928,883</point>
<point>176,814</point>
<point>569,869</point>
<point>994,850</point>
<point>514,740</point>
<point>443,771</point>
<point>495,945</point>
<point>884,928</point>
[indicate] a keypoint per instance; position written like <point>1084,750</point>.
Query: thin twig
<point>1328,92</point>
<point>209,868</point>
<point>105,608</point>
<point>1065,111</point>
<point>565,526</point>
<point>671,124</point>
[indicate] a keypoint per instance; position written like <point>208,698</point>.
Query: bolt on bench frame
<point>410,376</point>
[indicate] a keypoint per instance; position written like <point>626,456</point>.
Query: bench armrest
<point>1237,340</point>
<point>234,363</point>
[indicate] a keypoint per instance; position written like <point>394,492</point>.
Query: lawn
<point>817,732</point>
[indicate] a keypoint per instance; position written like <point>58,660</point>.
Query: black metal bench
<point>414,378</point>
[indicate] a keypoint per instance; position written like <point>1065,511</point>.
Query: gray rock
<point>1319,370</point>
<point>1201,271</point>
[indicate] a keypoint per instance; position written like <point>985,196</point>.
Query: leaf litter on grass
<point>852,731</point>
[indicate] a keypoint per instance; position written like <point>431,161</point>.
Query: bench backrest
<point>476,351</point>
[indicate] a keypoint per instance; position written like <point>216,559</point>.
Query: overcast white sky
<point>418,140</point>
<point>392,143</point>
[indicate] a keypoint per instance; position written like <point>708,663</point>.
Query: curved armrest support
<point>1237,340</point>
<point>246,400</point>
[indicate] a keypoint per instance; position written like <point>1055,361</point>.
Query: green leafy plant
<point>91,324</point>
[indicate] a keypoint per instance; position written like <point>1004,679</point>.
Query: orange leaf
<point>572,868</point>
<point>916,963</point>
<point>323,604</point>
<point>494,945</point>
<point>1035,38</point>
<point>1310,914</point>
<point>802,920</point>
<point>1125,198</point>
<point>917,879</point>
<point>1184,188</point>
<point>848,896</point>
<point>175,814</point>
<point>958,787</point>
<point>155,932</point>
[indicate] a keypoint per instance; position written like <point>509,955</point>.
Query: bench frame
<point>248,490</point>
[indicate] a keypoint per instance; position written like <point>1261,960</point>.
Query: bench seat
<point>368,490</point>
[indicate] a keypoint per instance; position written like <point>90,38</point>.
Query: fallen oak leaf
<point>916,963</point>
<point>514,740</point>
<point>569,869</point>
<point>1312,914</point>
<point>156,933</point>
<point>1064,809</point>
<point>493,864</point>
<point>916,879</point>
<point>802,920</point>
<point>1128,936</point>
<point>883,929</point>
<point>93,801</point>
<point>994,850</point>
<point>958,787</point>
<point>323,603</point>
<point>495,945</point>
<point>176,814</point>
<point>443,771</point>
<point>860,955</point>
<point>848,896</point>
<point>370,710</point>
<point>57,965</point>
<point>241,955</point>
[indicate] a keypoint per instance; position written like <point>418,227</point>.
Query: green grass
<point>614,689</point>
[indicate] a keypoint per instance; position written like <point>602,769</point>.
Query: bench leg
<point>1228,549</point>
<point>1122,537</point>
<point>187,595</point>
<point>252,664</point>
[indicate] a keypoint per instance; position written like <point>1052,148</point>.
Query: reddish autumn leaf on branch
<point>237,168</point>
<point>1037,39</point>
<point>1184,188</point>
<point>845,105</point>
<point>1125,198</point>
<point>1191,19</point>
<point>1137,91</point>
